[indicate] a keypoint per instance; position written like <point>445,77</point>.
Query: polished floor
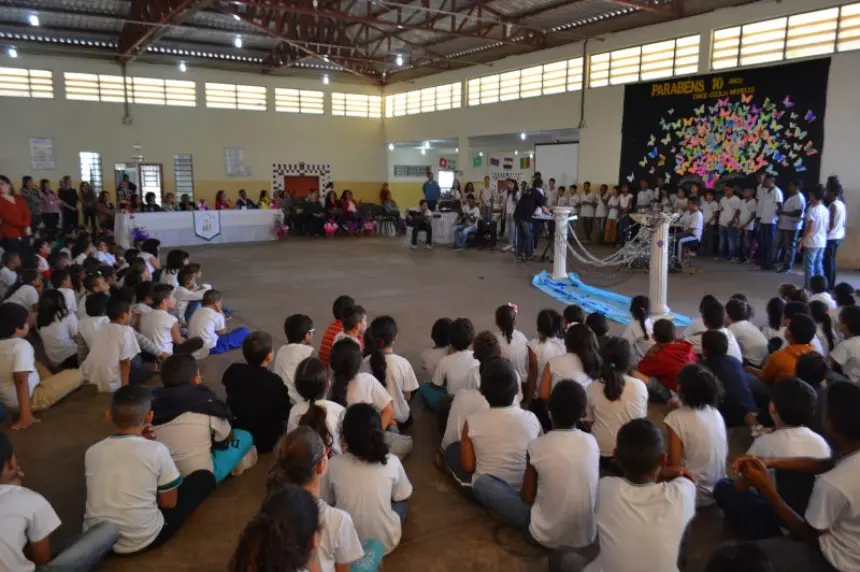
<point>267,282</point>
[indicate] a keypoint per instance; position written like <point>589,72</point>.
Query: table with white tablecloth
<point>177,228</point>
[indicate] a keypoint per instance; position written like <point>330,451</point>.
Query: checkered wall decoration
<point>281,170</point>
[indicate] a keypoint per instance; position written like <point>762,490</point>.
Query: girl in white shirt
<point>301,459</point>
<point>514,344</point>
<point>149,252</point>
<point>638,332</point>
<point>176,261</point>
<point>824,326</point>
<point>390,369</point>
<point>430,358</point>
<point>57,327</point>
<point>774,309</point>
<point>697,431</point>
<point>581,363</point>
<point>367,481</point>
<point>615,398</point>
<point>314,410</point>
<point>548,344</point>
<point>26,292</point>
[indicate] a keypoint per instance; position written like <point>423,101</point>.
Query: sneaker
<point>459,249</point>
<point>414,247</point>
<point>429,247</point>
<point>782,270</point>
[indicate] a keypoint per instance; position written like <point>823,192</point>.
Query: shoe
<point>782,270</point>
<point>459,249</point>
<point>414,247</point>
<point>429,247</point>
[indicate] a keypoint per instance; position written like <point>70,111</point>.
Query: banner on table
<point>207,224</point>
<point>725,127</point>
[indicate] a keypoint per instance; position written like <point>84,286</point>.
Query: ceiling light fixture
<point>516,152</point>
<point>481,154</point>
<point>522,136</point>
<point>34,20</point>
<point>423,152</point>
<point>399,60</point>
<point>182,66</point>
<point>12,52</point>
<point>391,146</point>
<point>325,79</point>
<point>237,17</point>
<point>457,150</point>
<point>237,41</point>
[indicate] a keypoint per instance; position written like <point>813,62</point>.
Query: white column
<point>559,259</point>
<point>658,274</point>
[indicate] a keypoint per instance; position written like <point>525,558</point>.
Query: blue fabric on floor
<point>615,306</point>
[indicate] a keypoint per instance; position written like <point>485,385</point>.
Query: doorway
<point>301,186</point>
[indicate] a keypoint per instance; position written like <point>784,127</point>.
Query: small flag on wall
<point>525,163</point>
<point>443,163</point>
<point>495,161</point>
<point>477,160</point>
<point>509,163</point>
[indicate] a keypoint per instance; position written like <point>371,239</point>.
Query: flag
<point>525,163</point>
<point>509,163</point>
<point>443,163</point>
<point>495,161</point>
<point>476,161</point>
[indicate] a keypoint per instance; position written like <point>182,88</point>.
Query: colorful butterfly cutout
<point>787,103</point>
<point>810,117</point>
<point>798,166</point>
<point>746,98</point>
<point>651,141</point>
<point>630,177</point>
<point>666,140</point>
<point>699,110</point>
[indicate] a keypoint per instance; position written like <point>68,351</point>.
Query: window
<point>91,169</point>
<point>438,98</point>
<point>535,81</point>
<point>403,171</point>
<point>183,173</point>
<point>150,181</point>
<point>298,101</point>
<point>808,34</point>
<point>230,96</point>
<point>356,105</point>
<point>93,87</point>
<point>155,91</point>
<point>17,82</point>
<point>650,61</point>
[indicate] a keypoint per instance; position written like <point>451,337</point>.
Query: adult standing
<point>530,200</point>
<point>33,198</point>
<point>126,189</point>
<point>69,203</point>
<point>836,230</point>
<point>768,207</point>
<point>431,191</point>
<point>790,221</point>
<point>50,205</point>
<point>15,218</point>
<point>106,210</point>
<point>88,203</point>
<point>485,196</point>
<point>815,236</point>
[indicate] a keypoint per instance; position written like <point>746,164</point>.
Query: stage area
<point>265,283</point>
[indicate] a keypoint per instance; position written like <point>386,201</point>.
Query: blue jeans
<point>502,499</point>
<point>830,261</point>
<point>524,238</point>
<point>85,553</point>
<point>232,340</point>
<point>225,460</point>
<point>432,394</point>
<point>729,236</point>
<point>786,241</point>
<point>765,245</point>
<point>749,513</point>
<point>461,234</point>
<point>813,264</point>
<point>402,510</point>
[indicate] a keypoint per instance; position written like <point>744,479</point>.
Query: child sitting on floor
<point>660,366</point>
<point>548,344</point>
<point>751,340</point>
<point>600,326</point>
<point>57,328</point>
<point>791,310</point>
<point>92,284</point>
<point>638,331</point>
<point>824,332</point>
<point>189,296</point>
<point>341,303</point>
<point>791,407</point>
<point>846,356</point>
<point>299,330</point>
<point>301,459</point>
<point>29,520</point>
<point>256,396</point>
<point>354,320</point>
<point>782,363</point>
<point>440,334</point>
<point>367,481</point>
<point>21,386</point>
<point>61,280</point>
<point>561,477</point>
<point>313,409</point>
<point>390,369</point>
<point>581,363</point>
<point>208,324</point>
<point>26,292</point>
<point>698,325</point>
<point>88,326</point>
<point>818,287</point>
<point>162,327</point>
<point>774,309</point>
<point>11,262</point>
<point>714,318</point>
<point>573,314</point>
<point>514,344</point>
<point>103,253</point>
<point>453,372</point>
<point>697,432</point>
<point>133,482</point>
<point>650,503</point>
<point>738,405</point>
<point>176,261</point>
<point>195,425</point>
<point>143,302</point>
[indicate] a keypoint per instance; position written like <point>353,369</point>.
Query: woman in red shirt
<point>14,216</point>
<point>222,202</point>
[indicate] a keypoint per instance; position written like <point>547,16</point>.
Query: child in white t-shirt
<point>133,482</point>
<point>818,287</point>
<point>561,476</point>
<point>354,319</point>
<point>103,253</point>
<point>41,250</point>
<point>149,253</point>
<point>846,356</point>
<point>142,302</point>
<point>697,432</point>
<point>548,344</point>
<point>162,327</point>
<point>581,363</point>
<point>367,481</point>
<point>714,318</point>
<point>57,328</point>
<point>792,407</point>
<point>514,344</point>
<point>390,369</point>
<point>209,324</point>
<point>26,292</point>
<point>453,372</point>
<point>10,261</point>
<point>61,280</point>
<point>638,331</point>
<point>188,295</point>
<point>109,362</point>
<point>299,330</point>
<point>313,409</point>
<point>430,358</point>
<point>301,459</point>
<point>90,323</point>
<point>92,283</point>
<point>652,504</point>
<point>176,261</point>
<point>21,387</point>
<point>750,339</point>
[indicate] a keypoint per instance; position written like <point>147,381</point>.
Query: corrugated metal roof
<point>67,21</point>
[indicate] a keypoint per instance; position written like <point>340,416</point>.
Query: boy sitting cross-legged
<point>162,327</point>
<point>132,481</point>
<point>194,424</point>
<point>209,324</point>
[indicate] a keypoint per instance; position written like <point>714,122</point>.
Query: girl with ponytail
<point>368,481</point>
<point>548,344</point>
<point>615,398</point>
<point>301,460</point>
<point>514,344</point>
<point>284,537</point>
<point>57,328</point>
<point>315,411</point>
<point>581,363</point>
<point>390,369</point>
<point>638,332</point>
<point>821,314</point>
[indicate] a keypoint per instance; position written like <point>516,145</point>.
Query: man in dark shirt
<point>69,203</point>
<point>529,202</point>
<point>256,396</point>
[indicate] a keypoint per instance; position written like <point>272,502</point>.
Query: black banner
<point>725,127</point>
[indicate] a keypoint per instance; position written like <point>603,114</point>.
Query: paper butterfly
<point>652,153</point>
<point>798,134</point>
<point>777,156</point>
<point>651,141</point>
<point>746,98</point>
<point>794,115</point>
<point>798,166</point>
<point>643,162</point>
<point>699,110</point>
<point>787,102</point>
<point>810,117</point>
<point>666,140</point>
<point>671,110</point>
<point>631,176</point>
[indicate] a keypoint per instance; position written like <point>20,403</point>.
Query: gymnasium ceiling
<point>376,41</point>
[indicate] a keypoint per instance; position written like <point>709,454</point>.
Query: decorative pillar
<point>559,260</point>
<point>658,273</point>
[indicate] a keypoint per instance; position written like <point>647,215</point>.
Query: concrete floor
<point>265,283</point>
